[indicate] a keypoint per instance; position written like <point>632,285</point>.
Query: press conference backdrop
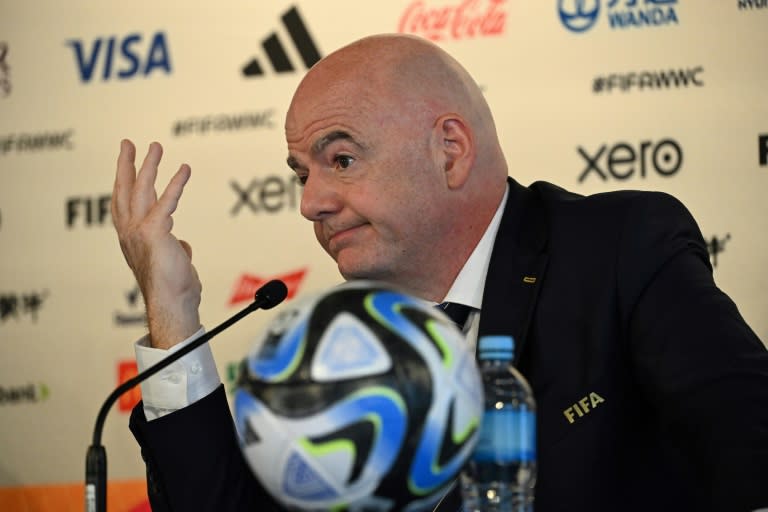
<point>597,95</point>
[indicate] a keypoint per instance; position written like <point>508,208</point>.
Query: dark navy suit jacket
<point>652,391</point>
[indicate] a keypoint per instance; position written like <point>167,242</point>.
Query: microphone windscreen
<point>271,294</point>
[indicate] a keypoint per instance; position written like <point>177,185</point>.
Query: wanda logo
<point>466,19</point>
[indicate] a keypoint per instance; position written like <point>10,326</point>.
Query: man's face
<point>372,184</point>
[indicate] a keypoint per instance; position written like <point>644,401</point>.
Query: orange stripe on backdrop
<point>122,496</point>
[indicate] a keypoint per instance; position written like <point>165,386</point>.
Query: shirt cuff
<point>180,384</point>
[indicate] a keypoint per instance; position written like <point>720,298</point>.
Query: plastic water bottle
<point>501,473</point>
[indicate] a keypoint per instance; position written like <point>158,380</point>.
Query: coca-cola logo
<point>467,19</point>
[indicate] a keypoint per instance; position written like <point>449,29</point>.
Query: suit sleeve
<point>697,361</point>
<point>194,461</point>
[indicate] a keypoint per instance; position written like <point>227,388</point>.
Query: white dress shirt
<point>194,376</point>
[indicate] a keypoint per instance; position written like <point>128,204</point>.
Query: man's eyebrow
<point>322,143</point>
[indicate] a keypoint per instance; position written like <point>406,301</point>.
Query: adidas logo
<point>276,52</point>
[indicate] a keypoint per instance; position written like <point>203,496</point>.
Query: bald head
<point>405,66</point>
<point>404,72</point>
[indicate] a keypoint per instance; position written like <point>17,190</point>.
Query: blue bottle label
<point>507,436</point>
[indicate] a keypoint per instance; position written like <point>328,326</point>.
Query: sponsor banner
<point>37,142</point>
<point>716,246</point>
<point>581,15</point>
<point>122,57</point>
<point>122,496</point>
<point>87,211</point>
<point>20,307</point>
<point>134,314</point>
<point>439,20</point>
<point>126,370</point>
<point>246,287</point>
<point>224,123</point>
<point>23,394</point>
<point>276,54</point>
<point>649,80</point>
<point>232,370</point>
<point>752,4</point>
<point>271,194</point>
<point>624,160</point>
<point>5,71</point>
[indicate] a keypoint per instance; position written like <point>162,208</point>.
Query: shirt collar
<point>468,286</point>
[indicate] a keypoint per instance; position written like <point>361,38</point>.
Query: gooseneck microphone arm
<point>268,296</point>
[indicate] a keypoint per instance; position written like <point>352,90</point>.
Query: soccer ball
<point>358,398</point>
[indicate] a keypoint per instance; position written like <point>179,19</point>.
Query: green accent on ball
<point>297,357</point>
<point>440,341</point>
<point>460,437</point>
<point>345,445</point>
<point>368,305</point>
<point>418,491</point>
<point>321,449</point>
<point>428,326</point>
<point>435,468</point>
<point>383,391</point>
<point>375,419</point>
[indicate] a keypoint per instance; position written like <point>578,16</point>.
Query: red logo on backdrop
<point>248,284</point>
<point>127,370</point>
<point>144,506</point>
<point>467,19</point>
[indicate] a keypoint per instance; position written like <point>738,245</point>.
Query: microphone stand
<point>268,296</point>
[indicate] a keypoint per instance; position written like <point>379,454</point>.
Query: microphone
<point>266,297</point>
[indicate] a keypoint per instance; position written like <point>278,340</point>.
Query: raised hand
<point>161,263</point>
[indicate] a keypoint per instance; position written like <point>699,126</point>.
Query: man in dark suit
<point>652,391</point>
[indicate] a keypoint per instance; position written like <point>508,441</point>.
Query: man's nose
<point>319,197</point>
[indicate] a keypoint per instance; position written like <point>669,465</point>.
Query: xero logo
<point>622,160</point>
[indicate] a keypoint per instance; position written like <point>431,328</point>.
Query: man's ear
<point>455,147</point>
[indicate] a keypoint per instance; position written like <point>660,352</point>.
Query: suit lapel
<point>517,267</point>
<point>515,275</point>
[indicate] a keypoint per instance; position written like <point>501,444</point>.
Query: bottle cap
<point>496,347</point>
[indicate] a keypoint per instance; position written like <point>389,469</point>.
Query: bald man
<point>652,391</point>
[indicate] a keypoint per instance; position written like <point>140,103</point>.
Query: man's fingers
<point>144,195</point>
<point>134,199</point>
<point>124,180</point>
<point>187,248</point>
<point>169,199</point>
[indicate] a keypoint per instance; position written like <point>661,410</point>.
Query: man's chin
<point>360,272</point>
<point>354,275</point>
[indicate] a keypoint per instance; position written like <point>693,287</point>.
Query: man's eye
<point>343,161</point>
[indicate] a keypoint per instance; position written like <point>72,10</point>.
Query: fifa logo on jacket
<point>583,407</point>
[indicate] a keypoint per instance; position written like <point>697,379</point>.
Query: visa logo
<point>121,57</point>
